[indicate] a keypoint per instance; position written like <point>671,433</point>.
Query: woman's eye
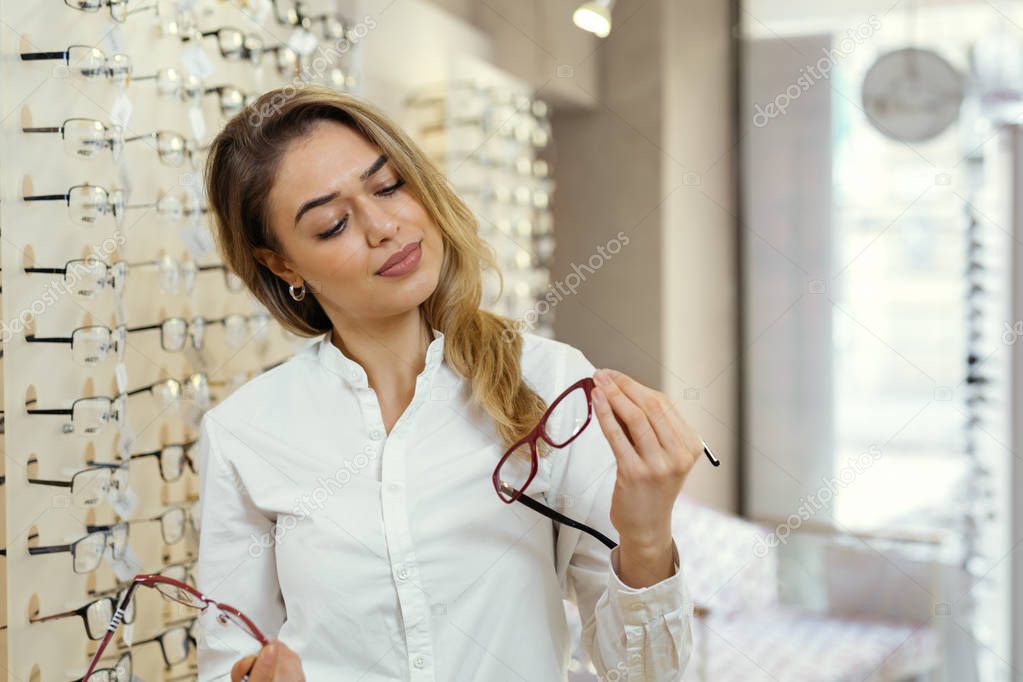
<point>391,189</point>
<point>336,228</point>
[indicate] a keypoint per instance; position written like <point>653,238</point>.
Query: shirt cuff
<point>639,605</point>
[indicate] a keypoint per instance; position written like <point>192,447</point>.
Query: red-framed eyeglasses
<point>560,424</point>
<point>182,593</point>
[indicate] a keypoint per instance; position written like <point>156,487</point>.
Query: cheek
<point>344,261</point>
<point>334,261</point>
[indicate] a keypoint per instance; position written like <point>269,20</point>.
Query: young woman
<point>347,499</point>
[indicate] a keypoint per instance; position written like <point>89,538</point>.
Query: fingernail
<point>602,377</point>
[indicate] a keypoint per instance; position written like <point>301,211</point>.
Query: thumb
<point>263,671</point>
<point>241,667</point>
<point>289,665</point>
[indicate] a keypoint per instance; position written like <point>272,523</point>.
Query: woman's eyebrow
<point>326,198</point>
<point>376,165</point>
<point>313,203</point>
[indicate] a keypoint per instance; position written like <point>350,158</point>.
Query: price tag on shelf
<point>197,121</point>
<point>197,61</point>
<point>113,40</point>
<point>121,373</point>
<point>197,238</point>
<point>302,42</point>
<point>125,440</point>
<point>121,110</point>
<point>258,10</point>
<point>124,502</point>
<point>128,566</point>
<point>128,635</point>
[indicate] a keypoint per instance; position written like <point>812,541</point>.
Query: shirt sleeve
<point>640,633</point>
<point>236,563</point>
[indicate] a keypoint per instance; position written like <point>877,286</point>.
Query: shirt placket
<point>412,600</point>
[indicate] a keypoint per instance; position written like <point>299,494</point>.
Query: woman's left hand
<point>655,449</point>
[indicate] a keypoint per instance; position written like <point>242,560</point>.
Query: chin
<point>414,289</point>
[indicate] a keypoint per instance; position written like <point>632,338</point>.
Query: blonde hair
<point>243,160</point>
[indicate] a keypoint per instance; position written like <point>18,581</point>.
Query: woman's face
<point>339,211</point>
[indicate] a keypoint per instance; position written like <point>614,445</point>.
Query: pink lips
<point>402,262</point>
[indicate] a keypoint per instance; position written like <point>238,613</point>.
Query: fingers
<point>275,663</point>
<point>633,414</point>
<point>241,667</point>
<point>289,666</point>
<point>659,411</point>
<point>266,663</point>
<point>620,445</point>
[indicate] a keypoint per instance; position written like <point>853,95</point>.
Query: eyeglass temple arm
<point>56,484</point>
<point>66,614</point>
<point>48,271</point>
<point>49,549</point>
<point>142,389</point>
<point>144,328</point>
<point>151,453</point>
<point>710,455</point>
<point>47,129</point>
<point>47,197</point>
<point>114,623</point>
<point>35,56</point>
<point>564,520</point>
<point>32,338</point>
<point>51,411</point>
<point>133,138</point>
<point>103,527</point>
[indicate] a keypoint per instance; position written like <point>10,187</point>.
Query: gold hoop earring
<point>297,293</point>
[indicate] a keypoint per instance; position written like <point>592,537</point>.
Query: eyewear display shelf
<point>153,91</point>
<point>491,136</point>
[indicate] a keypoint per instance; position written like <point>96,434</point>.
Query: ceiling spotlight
<point>594,17</point>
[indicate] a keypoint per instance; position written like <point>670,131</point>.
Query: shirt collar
<point>337,362</point>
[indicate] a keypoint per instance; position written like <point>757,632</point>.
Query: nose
<point>379,222</point>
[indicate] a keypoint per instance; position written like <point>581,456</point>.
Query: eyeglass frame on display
<point>114,143</point>
<point>106,70</point>
<point>82,611</point>
<point>114,274</point>
<point>71,547</point>
<point>114,483</point>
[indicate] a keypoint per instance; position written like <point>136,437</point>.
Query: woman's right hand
<point>275,663</point>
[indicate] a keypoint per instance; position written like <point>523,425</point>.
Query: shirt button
<point>393,487</point>
<point>402,573</point>
<point>418,660</point>
<point>376,434</point>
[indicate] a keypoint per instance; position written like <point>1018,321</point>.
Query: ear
<point>277,265</point>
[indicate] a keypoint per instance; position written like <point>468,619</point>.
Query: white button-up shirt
<point>389,556</point>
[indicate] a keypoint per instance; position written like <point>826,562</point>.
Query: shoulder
<point>261,397</point>
<point>549,365</point>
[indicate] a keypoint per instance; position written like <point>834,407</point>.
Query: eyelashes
<point>340,225</point>
<point>337,227</point>
<point>388,191</point>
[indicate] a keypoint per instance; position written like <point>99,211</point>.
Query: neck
<point>391,350</point>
